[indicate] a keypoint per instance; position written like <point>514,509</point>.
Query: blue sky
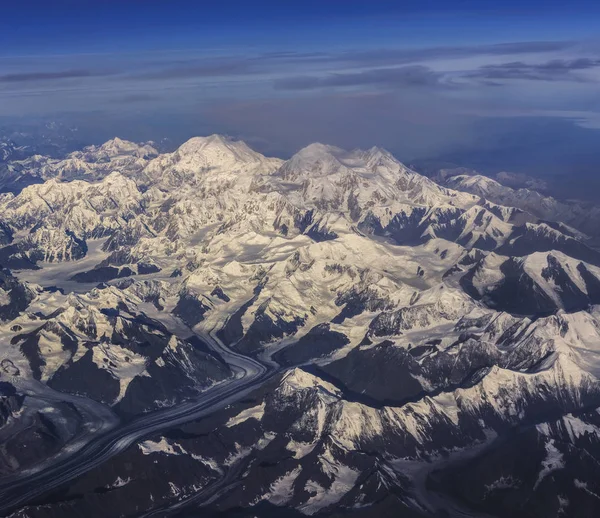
<point>423,78</point>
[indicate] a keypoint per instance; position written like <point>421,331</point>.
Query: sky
<point>491,84</point>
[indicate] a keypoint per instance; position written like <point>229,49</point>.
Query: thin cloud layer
<point>407,56</point>
<point>26,77</point>
<point>409,76</point>
<point>554,70</point>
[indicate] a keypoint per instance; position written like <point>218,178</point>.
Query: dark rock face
<point>557,476</point>
<point>178,375</point>
<point>32,429</point>
<point>16,257</point>
<point>103,274</point>
<point>456,230</point>
<point>147,268</point>
<point>19,296</point>
<point>527,240</point>
<point>404,228</point>
<point>127,236</point>
<point>571,295</point>
<point>265,328</point>
<point>78,247</point>
<point>383,373</point>
<point>31,348</point>
<point>356,302</point>
<point>10,402</point>
<point>592,283</point>
<point>320,234</point>
<point>167,370</point>
<point>6,234</point>
<point>320,341</point>
<point>387,374</point>
<point>118,257</point>
<point>220,294</point>
<point>233,330</point>
<point>389,323</point>
<point>84,377</point>
<point>190,309</point>
<point>25,254</point>
<point>306,223</point>
<point>519,293</point>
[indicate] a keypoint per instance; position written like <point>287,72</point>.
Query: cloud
<point>409,76</point>
<point>212,68</point>
<point>262,63</point>
<point>554,70</point>
<point>137,98</point>
<point>189,64</point>
<point>44,76</point>
<point>415,55</point>
<point>287,54</point>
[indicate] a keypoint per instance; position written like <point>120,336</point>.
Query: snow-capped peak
<point>298,379</point>
<point>212,164</point>
<point>377,155</point>
<point>315,160</point>
<point>216,151</point>
<point>118,147</point>
<point>321,160</point>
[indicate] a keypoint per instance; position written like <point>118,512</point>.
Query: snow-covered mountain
<point>390,329</point>
<point>91,164</point>
<point>579,215</point>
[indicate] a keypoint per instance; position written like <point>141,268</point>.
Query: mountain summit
<point>208,160</point>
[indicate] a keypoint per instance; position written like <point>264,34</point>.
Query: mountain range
<point>213,332</point>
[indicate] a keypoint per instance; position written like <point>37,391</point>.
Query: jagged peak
<point>118,146</point>
<point>378,153</point>
<point>118,142</point>
<point>299,379</point>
